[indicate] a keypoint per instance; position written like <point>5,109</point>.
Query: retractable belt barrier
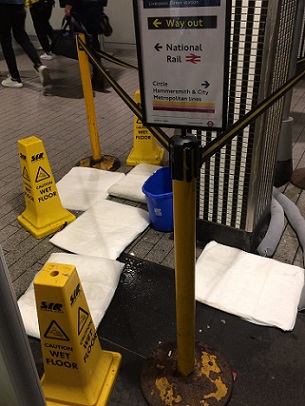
<point>114,60</point>
<point>215,145</point>
<point>158,133</point>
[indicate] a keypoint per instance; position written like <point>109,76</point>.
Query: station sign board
<point>183,53</point>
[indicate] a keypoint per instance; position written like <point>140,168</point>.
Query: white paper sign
<point>183,58</point>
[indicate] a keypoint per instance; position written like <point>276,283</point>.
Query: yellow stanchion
<point>97,160</point>
<point>185,259</point>
<point>185,372</point>
<point>76,369</point>
<point>145,148</point>
<point>44,213</point>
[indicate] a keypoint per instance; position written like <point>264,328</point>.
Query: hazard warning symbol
<point>25,174</point>
<point>82,318</point>
<point>55,332</point>
<point>41,175</point>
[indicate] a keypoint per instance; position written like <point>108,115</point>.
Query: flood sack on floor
<point>104,230</point>
<point>261,290</point>
<point>130,187</point>
<point>81,187</point>
<point>99,278</point>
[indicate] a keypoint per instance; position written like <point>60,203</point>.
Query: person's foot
<point>10,82</point>
<point>47,56</point>
<point>98,83</point>
<point>44,75</point>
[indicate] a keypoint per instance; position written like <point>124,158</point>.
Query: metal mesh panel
<point>235,185</point>
<point>301,50</point>
<point>268,137</point>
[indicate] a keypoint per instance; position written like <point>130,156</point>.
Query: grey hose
<point>293,215</point>
<point>297,222</point>
<point>275,230</point>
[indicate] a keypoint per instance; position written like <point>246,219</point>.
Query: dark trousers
<point>41,14</point>
<point>12,19</point>
<point>90,15</point>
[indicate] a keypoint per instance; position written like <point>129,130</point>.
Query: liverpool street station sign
<point>183,52</point>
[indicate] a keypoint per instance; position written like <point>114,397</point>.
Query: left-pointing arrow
<point>158,47</point>
<point>156,23</point>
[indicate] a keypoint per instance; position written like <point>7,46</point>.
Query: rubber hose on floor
<point>275,230</point>
<point>293,215</point>
<point>297,222</point>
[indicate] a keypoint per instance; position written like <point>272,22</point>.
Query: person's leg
<point>90,18</point>
<point>89,15</point>
<point>48,14</point>
<point>23,40</point>
<point>38,23</point>
<point>7,16</point>
<point>22,37</point>
<point>40,13</point>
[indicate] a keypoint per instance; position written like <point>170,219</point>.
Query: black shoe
<point>98,83</point>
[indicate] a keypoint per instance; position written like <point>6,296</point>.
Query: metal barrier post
<point>97,160</point>
<point>184,164</point>
<point>175,367</point>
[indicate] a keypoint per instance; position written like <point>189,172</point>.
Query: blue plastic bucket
<point>158,191</point>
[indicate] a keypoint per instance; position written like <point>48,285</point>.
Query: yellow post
<point>185,257</point>
<point>185,372</point>
<point>76,369</point>
<point>44,213</point>
<point>145,148</point>
<point>184,161</point>
<point>89,101</point>
<point>97,160</point>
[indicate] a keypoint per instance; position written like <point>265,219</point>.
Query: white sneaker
<point>44,75</point>
<point>47,56</point>
<point>9,82</point>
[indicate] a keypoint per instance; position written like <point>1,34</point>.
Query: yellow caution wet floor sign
<point>145,148</point>
<point>77,370</point>
<point>44,213</point>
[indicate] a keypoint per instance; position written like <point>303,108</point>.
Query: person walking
<point>41,11</point>
<point>89,13</point>
<point>12,21</point>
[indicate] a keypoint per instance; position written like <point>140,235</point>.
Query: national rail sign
<point>183,48</point>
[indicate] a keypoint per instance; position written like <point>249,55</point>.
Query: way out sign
<point>183,52</point>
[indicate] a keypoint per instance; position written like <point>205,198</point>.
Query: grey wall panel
<point>235,186</point>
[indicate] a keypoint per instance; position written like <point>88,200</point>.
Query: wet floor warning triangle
<point>82,318</point>
<point>25,174</point>
<point>76,369</point>
<point>55,332</point>
<point>145,148</point>
<point>44,213</point>
<point>41,175</point>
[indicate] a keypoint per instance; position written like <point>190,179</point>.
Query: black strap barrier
<point>112,59</point>
<point>300,61</point>
<point>215,145</point>
<point>157,132</point>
